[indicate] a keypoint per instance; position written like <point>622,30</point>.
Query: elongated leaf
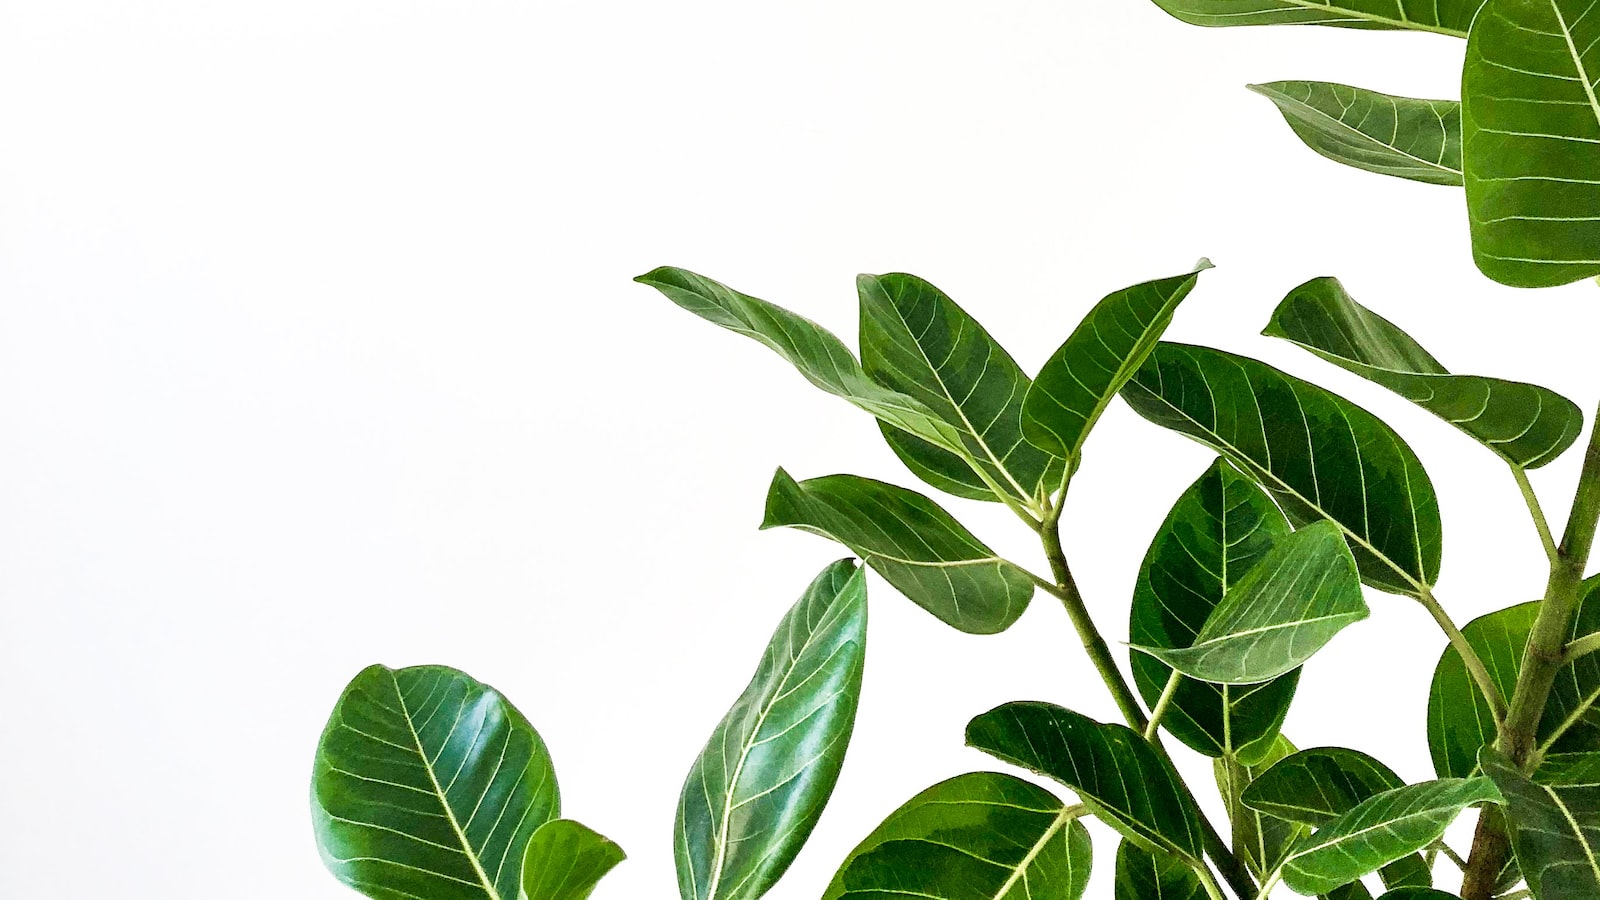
<point>1440,16</point>
<point>1084,375</point>
<point>1279,614</point>
<point>1555,831</point>
<point>1400,136</point>
<point>565,860</point>
<point>917,341</point>
<point>1260,839</point>
<point>1219,528</point>
<point>429,784</point>
<point>979,836</point>
<point>756,791</point>
<point>1380,830</point>
<point>913,543</point>
<point>1559,769</point>
<point>1531,140</point>
<point>1525,425</point>
<point>1152,875</point>
<point>1319,455</point>
<point>1114,771</point>
<point>949,472</point>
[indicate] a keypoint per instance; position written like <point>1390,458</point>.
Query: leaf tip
<point>1203,264</point>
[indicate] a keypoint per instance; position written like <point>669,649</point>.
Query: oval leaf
<point>1318,454</point>
<point>912,542</point>
<point>1382,133</point>
<point>429,784</point>
<point>1525,425</point>
<point>1555,831</point>
<point>1115,772</point>
<point>565,860</point>
<point>1439,16</point>
<point>979,836</point>
<point>756,791</point>
<point>1260,839</point>
<point>1146,875</point>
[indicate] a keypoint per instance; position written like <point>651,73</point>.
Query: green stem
<point>1469,655</point>
<point>1551,551</point>
<point>1152,728</point>
<point>1583,646</point>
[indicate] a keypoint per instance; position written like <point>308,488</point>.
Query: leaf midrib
<point>1062,820</point>
<point>1307,107</point>
<point>1403,23</point>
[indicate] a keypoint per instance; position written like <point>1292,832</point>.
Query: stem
<point>1152,728</point>
<point>1583,646</point>
<point>1551,551</point>
<point>1213,890</point>
<point>1450,854</point>
<point>1474,662</point>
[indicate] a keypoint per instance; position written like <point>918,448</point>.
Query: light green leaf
<point>1084,375</point>
<point>1531,140</point>
<point>758,787</point>
<point>1439,16</point>
<point>565,860</point>
<point>1152,875</point>
<point>428,783</point>
<point>1318,454</point>
<point>1219,528</point>
<point>912,542</point>
<point>1555,831</point>
<point>979,836</point>
<point>1279,614</point>
<point>1116,773</point>
<point>1259,839</point>
<point>1382,133</point>
<point>1525,425</point>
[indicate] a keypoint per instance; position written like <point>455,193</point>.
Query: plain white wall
<point>318,348</point>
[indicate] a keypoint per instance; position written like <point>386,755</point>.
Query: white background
<point>318,348</point>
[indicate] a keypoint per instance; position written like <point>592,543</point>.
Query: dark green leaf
<point>429,784</point>
<point>565,860</point>
<point>1097,359</point>
<point>758,787</point>
<point>1355,890</point>
<point>1440,16</point>
<point>1382,133</point>
<point>911,542</point>
<point>1221,527</point>
<point>1555,831</point>
<point>949,472</point>
<point>1259,839</point>
<point>979,836</point>
<point>1560,769</point>
<point>1115,772</point>
<point>1526,425</point>
<point>1417,893</point>
<point>1319,455</point>
<point>1152,875</point>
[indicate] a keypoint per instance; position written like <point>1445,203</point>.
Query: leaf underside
<point>1405,137</point>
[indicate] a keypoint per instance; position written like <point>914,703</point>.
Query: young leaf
<point>1555,831</point>
<point>1380,830</point>
<point>1084,375</point>
<point>1439,16</point>
<point>1152,875</point>
<point>565,860</point>
<point>1318,454</point>
<point>1116,773</point>
<point>979,836</point>
<point>1260,839</point>
<point>1531,141</point>
<point>429,784</point>
<point>1382,133</point>
<point>758,787</point>
<point>1279,614</point>
<point>1219,528</point>
<point>917,341</point>
<point>1525,425</point>
<point>912,542</point>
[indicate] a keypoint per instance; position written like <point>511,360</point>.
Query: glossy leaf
<point>1219,528</point>
<point>1380,830</point>
<point>1525,425</point>
<point>912,542</point>
<point>1114,771</point>
<point>1439,16</point>
<point>1084,375</point>
<point>1400,136</point>
<point>979,836</point>
<point>1555,831</point>
<point>1279,614</point>
<point>428,783</point>
<point>565,860</point>
<point>758,787</point>
<point>1260,839</point>
<point>1152,875</point>
<point>1531,140</point>
<point>1319,455</point>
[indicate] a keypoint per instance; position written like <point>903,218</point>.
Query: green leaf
<point>1319,455</point>
<point>979,836</point>
<point>1380,830</point>
<point>428,783</point>
<point>1355,890</point>
<point>1151,875</point>
<point>1400,136</point>
<point>1531,141</point>
<point>912,542</point>
<point>1259,839</point>
<point>1555,831</point>
<point>758,787</point>
<point>917,341</point>
<point>1115,772</point>
<point>1525,425</point>
<point>1279,614</point>
<point>565,860</point>
<point>949,472</point>
<point>1559,769</point>
<point>1219,528</point>
<point>1084,375</point>
<point>1439,16</point>
<point>1417,893</point>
